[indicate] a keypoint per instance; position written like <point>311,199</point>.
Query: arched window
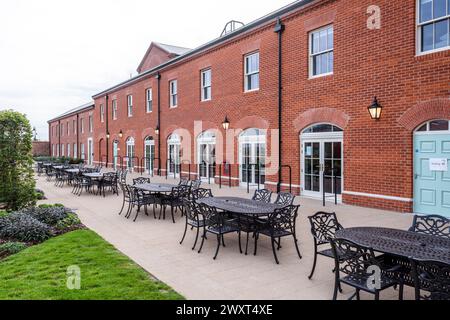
<point>435,125</point>
<point>322,127</point>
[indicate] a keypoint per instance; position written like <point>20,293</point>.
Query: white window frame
<point>247,75</point>
<point>68,150</point>
<point>91,124</point>
<point>102,113</point>
<point>62,150</point>
<point>149,100</point>
<point>74,125</point>
<point>82,125</point>
<point>130,105</point>
<point>114,109</point>
<point>204,86</point>
<point>68,129</point>
<point>61,128</point>
<point>173,94</point>
<point>312,55</point>
<point>75,151</point>
<point>419,26</point>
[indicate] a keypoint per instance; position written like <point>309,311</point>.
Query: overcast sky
<point>55,54</point>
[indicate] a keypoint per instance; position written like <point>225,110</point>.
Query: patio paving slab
<point>154,245</point>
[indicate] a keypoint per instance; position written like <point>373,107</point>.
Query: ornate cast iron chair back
<point>434,225</point>
<point>433,278</point>
<point>285,199</point>
<point>201,193</point>
<point>283,219</point>
<point>324,226</point>
<point>262,195</point>
<point>141,180</point>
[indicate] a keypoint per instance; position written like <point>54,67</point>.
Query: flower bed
<point>31,226</point>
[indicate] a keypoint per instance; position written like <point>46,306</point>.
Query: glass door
<point>207,161</point>
<point>115,154</point>
<point>174,158</point>
<point>130,154</point>
<point>253,157</point>
<point>149,154</point>
<point>322,167</point>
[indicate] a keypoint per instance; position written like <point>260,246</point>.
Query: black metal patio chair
<point>361,270</point>
<point>141,180</point>
<point>434,225</point>
<point>323,229</point>
<point>201,193</point>
<point>174,200</point>
<point>280,224</point>
<point>285,199</point>
<point>140,199</point>
<point>110,181</point>
<point>262,195</point>
<point>431,280</point>
<point>195,184</point>
<point>194,219</point>
<point>217,223</point>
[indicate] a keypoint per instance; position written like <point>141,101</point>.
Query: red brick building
<point>314,67</point>
<point>71,134</point>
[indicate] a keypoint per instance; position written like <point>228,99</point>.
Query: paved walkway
<point>154,245</point>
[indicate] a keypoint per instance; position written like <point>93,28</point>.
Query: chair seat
<point>222,230</point>
<point>275,233</point>
<point>195,223</point>
<point>327,253</point>
<point>360,282</point>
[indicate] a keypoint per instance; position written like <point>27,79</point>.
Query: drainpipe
<point>158,77</point>
<point>107,131</point>
<point>279,28</point>
<point>78,137</point>
<point>59,139</point>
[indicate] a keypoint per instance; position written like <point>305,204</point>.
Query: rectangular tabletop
<point>240,205</point>
<point>72,170</point>
<point>93,175</point>
<point>155,187</point>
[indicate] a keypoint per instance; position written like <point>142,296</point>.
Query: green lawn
<point>40,272</point>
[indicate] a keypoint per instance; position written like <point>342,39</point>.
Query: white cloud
<point>54,55</point>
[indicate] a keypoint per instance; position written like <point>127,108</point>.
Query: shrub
<point>3,213</point>
<point>50,215</point>
<point>10,248</point>
<point>22,227</point>
<point>40,195</point>
<point>71,220</point>
<point>16,162</point>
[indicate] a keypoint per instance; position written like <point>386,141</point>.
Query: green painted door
<point>432,184</point>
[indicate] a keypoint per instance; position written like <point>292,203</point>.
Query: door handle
<point>416,176</point>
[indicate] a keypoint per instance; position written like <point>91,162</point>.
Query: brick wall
<point>41,148</point>
<point>378,155</point>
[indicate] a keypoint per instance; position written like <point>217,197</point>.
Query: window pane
<point>323,40</point>
<point>315,43</point>
<point>323,128</point>
<point>316,65</point>
<point>324,63</point>
<point>423,128</point>
<point>427,37</point>
<point>330,38</point>
<point>439,125</point>
<point>441,34</point>
<point>439,8</point>
<point>426,10</point>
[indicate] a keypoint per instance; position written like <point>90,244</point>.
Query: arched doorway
<point>252,157</point>
<point>130,154</point>
<point>321,159</point>
<point>149,154</point>
<point>174,154</point>
<point>431,168</point>
<point>206,146</point>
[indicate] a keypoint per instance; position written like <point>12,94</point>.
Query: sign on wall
<point>438,164</point>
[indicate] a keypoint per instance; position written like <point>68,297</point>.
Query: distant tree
<point>17,184</point>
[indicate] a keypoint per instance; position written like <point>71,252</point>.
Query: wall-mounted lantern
<point>157,130</point>
<point>108,136</point>
<point>121,134</point>
<point>375,109</point>
<point>226,123</point>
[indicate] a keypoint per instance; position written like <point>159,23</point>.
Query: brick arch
<point>318,115</point>
<point>206,126</point>
<point>251,122</point>
<point>169,130</point>
<point>128,134</point>
<point>148,132</point>
<point>425,111</point>
<point>101,136</point>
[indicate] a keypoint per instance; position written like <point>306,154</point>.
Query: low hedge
<point>19,226</point>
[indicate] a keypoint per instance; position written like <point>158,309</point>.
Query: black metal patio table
<point>241,205</point>
<point>93,175</point>
<point>400,243</point>
<point>156,188</point>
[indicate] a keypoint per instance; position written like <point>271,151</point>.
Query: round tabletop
<point>240,205</point>
<point>156,188</point>
<point>401,243</point>
<point>93,175</point>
